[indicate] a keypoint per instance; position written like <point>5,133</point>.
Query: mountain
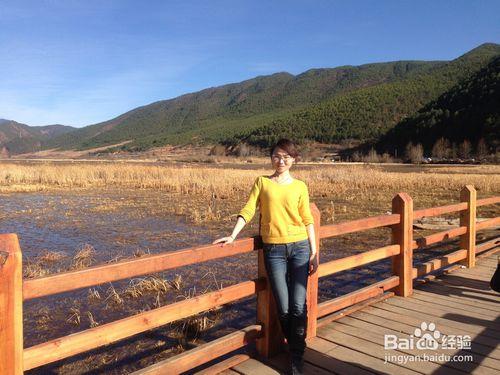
<point>367,114</point>
<point>235,107</point>
<point>468,111</point>
<point>17,138</point>
<point>326,105</point>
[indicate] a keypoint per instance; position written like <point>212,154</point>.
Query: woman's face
<point>281,160</point>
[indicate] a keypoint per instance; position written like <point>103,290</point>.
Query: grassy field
<point>215,193</point>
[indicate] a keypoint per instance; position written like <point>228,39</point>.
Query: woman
<point>289,245</point>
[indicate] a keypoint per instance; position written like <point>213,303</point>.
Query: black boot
<point>298,332</point>
<point>285,327</point>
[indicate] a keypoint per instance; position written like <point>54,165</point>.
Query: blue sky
<point>83,62</point>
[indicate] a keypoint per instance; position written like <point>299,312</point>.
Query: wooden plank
<point>457,325</point>
<point>423,242</point>
<point>357,260</point>
<point>468,282</point>
<point>488,223</point>
<point>375,334</point>
<point>229,372</point>
<point>373,344</point>
<point>468,219</point>
<point>204,353</point>
<point>487,262</point>
<point>357,296</point>
<point>11,305</point>
<point>312,282</point>
<point>481,280</point>
<point>281,362</point>
<point>460,294</point>
<point>486,201</point>
<point>473,277</point>
<point>484,246</point>
<point>348,310</point>
<point>402,234</point>
<point>433,299</point>
<point>440,262</point>
<point>392,320</point>
<point>224,365</point>
<point>436,311</point>
<point>316,353</point>
<point>92,338</point>
<point>485,268</point>
<point>366,361</point>
<point>336,334</point>
<point>437,211</point>
<point>481,271</point>
<point>465,302</point>
<point>252,367</point>
<point>492,258</point>
<point>357,225</point>
<point>373,324</point>
<point>461,327</point>
<point>66,281</point>
<point>485,297</point>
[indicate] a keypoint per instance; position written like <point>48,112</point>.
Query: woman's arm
<point>245,215</point>
<point>240,223</point>
<point>313,259</point>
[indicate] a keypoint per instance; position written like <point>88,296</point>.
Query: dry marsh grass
<point>83,258</point>
<point>220,183</point>
<point>152,284</point>
<point>51,256</point>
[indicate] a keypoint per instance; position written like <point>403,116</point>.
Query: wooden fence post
<point>11,306</point>
<point>312,283</point>
<point>272,338</point>
<point>402,234</point>
<point>468,219</point>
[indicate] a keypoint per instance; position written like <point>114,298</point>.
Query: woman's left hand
<point>313,263</point>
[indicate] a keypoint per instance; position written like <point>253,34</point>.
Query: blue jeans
<point>287,267</point>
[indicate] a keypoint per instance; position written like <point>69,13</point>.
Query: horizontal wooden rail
<point>357,296</point>
<point>66,281</point>
<point>436,211</point>
<point>92,338</point>
<point>486,201</point>
<point>487,245</point>
<point>488,223</point>
<point>204,353</point>
<point>422,242</point>
<point>224,365</point>
<point>437,263</point>
<point>357,260</point>
<point>353,226</point>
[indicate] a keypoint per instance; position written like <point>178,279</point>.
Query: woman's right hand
<point>223,240</point>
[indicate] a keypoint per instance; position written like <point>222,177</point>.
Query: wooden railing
<point>14,358</point>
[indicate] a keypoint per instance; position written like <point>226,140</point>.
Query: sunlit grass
<point>228,182</point>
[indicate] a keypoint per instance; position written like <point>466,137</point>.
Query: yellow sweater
<point>284,208</point>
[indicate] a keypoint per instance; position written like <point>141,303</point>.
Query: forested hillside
<point>469,112</point>
<point>369,113</point>
<point>17,138</point>
<point>233,108</point>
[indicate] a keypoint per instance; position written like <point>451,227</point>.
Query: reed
<point>83,258</point>
<point>219,183</point>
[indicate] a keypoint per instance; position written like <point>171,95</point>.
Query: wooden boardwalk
<point>459,303</point>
